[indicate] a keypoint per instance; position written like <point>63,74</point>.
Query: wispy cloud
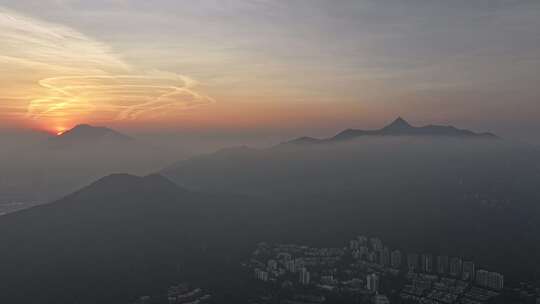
<point>57,75</point>
<point>40,44</point>
<point>118,97</point>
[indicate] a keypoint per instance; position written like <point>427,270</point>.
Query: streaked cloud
<point>55,75</point>
<point>117,97</point>
<point>37,44</point>
<point>421,59</point>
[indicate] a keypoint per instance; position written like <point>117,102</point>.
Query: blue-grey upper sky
<point>273,65</point>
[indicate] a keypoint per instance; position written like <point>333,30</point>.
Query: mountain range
<point>124,236</point>
<point>399,127</point>
<point>48,168</point>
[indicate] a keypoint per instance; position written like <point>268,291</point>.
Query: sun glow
<point>60,130</point>
<point>116,97</point>
<point>45,88</point>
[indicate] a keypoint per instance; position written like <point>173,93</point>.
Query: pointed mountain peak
<point>85,133</point>
<point>399,123</point>
<point>83,126</point>
<point>85,130</point>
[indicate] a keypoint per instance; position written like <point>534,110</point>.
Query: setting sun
<point>269,151</point>
<point>60,130</point>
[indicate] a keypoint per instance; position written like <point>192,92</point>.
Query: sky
<point>298,67</point>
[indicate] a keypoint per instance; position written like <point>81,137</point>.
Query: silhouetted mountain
<point>78,156</point>
<point>119,238</point>
<point>86,134</point>
<point>398,127</point>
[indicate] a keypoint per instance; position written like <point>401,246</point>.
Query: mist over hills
<point>359,165</point>
<point>200,217</point>
<point>124,236</point>
<point>269,152</point>
<point>47,168</point>
<point>440,193</point>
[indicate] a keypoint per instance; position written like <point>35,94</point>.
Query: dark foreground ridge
<point>120,237</point>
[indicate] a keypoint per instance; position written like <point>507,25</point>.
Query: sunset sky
<point>270,66</point>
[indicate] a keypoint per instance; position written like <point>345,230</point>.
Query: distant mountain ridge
<point>83,133</point>
<point>399,127</point>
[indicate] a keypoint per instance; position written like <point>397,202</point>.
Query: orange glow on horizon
<point>60,130</point>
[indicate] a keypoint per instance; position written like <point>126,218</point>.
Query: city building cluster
<point>178,294</point>
<point>368,270</point>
